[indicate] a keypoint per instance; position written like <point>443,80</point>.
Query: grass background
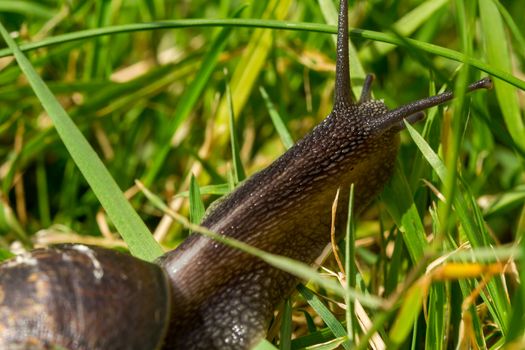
<point>152,100</point>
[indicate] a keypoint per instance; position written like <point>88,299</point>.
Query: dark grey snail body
<point>289,204</point>
<point>222,298</point>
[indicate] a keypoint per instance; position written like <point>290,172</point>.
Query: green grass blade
<point>310,323</point>
<point>396,266</point>
<point>220,190</point>
<point>405,26</point>
<point>350,267</point>
<point>452,143</point>
<point>189,98</point>
<point>43,196</point>
<point>9,223</point>
<point>27,8</point>
<point>475,230</point>
<point>100,55</point>
<point>513,27</point>
<point>328,317</point>
<point>329,11</point>
<point>490,254</point>
<point>498,56</point>
<point>400,205</point>
<point>278,122</point>
<point>273,24</point>
<point>427,152</point>
<point>286,326</point>
<point>506,201</point>
<point>436,322</point>
<point>264,345</point>
<point>196,205</point>
<point>407,314</point>
<point>238,170</point>
<point>250,65</point>
<point>516,328</point>
<point>125,219</point>
<point>329,345</point>
<point>322,336</point>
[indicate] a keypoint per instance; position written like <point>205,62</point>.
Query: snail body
<point>205,295</point>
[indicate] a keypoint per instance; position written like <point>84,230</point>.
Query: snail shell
<point>80,297</point>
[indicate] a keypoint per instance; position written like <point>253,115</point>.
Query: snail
<point>205,295</point>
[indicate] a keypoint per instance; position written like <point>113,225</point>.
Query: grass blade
<point>474,228</point>
<point>400,205</point>
<point>273,24</point>
<point>520,38</point>
<point>43,197</point>
<point>250,65</point>
<point>9,223</point>
<point>278,122</point>
<point>405,26</point>
<point>264,345</point>
<point>220,190</point>
<point>189,98</point>
<point>196,205</point>
<point>331,321</point>
<point>431,157</point>
<point>408,314</point>
<point>286,326</point>
<point>28,8</point>
<point>125,219</point>
<point>329,345</point>
<point>498,56</point>
<point>350,267</point>
<point>238,170</point>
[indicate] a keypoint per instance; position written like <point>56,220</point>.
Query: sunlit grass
<point>436,256</point>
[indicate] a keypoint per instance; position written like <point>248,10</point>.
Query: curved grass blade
<point>27,8</point>
<point>274,24</point>
<point>125,219</point>
<point>400,205</point>
<point>474,228</point>
<point>196,205</point>
<point>249,66</point>
<point>408,314</point>
<point>278,122</point>
<point>9,223</point>
<point>405,26</point>
<point>220,190</point>
<point>514,29</point>
<point>189,98</point>
<point>498,56</point>
<point>328,317</point>
<point>238,170</point>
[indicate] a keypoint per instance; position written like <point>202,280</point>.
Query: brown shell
<point>80,297</point>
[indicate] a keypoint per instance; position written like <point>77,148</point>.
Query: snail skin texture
<point>215,297</point>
